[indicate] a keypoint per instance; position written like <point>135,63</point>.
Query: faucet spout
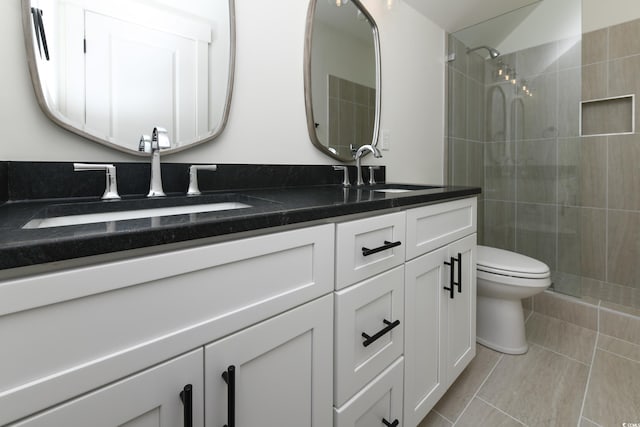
<point>159,141</point>
<point>361,151</point>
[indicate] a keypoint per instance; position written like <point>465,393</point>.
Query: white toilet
<point>504,279</point>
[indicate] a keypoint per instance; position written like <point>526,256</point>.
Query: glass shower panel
<point>513,129</point>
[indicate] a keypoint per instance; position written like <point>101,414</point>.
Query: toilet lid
<point>507,263</point>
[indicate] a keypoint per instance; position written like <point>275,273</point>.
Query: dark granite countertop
<point>269,207</point>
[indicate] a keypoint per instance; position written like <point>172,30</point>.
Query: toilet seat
<point>493,261</point>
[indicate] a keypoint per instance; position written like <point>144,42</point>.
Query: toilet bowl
<point>504,278</point>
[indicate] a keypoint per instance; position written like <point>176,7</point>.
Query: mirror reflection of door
<point>138,77</point>
<point>114,69</point>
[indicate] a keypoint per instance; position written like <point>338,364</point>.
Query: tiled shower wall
<point>465,119</point>
<point>608,183</point>
<point>570,201</point>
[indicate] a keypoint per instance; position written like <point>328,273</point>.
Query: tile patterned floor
<point>571,376</point>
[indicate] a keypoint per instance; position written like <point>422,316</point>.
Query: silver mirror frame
<point>307,80</point>
<point>68,125</point>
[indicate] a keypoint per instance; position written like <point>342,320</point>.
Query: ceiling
<point>454,15</point>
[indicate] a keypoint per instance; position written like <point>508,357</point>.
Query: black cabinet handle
<point>452,277</point>
<point>388,424</point>
<point>459,283</point>
<point>387,245</point>
<point>187,404</point>
<point>229,376</point>
<point>371,339</point>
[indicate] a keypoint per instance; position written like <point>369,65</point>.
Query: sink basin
<point>95,212</point>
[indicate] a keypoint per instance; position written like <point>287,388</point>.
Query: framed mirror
<point>341,77</point>
<point>112,70</point>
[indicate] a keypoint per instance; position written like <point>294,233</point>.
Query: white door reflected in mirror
<point>116,68</point>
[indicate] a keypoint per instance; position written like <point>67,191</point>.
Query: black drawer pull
<point>187,404</point>
<point>459,284</point>
<point>371,339</point>
<point>387,245</point>
<point>388,424</point>
<point>229,376</point>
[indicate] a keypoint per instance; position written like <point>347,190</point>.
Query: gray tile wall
<point>465,120</point>
<point>526,143</point>
<point>570,201</point>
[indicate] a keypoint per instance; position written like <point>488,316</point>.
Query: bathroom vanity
<point>322,307</point>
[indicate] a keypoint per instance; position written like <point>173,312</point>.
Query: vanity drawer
<point>380,399</point>
<point>434,226</point>
<point>69,332</point>
<point>374,307</point>
<point>360,247</point>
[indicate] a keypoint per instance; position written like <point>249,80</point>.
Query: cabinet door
<point>283,370</point>
<point>425,310</point>
<point>148,399</point>
<point>461,310</point>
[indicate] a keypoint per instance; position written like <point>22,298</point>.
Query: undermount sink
<point>95,212</point>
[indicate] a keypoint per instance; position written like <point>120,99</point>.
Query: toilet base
<point>500,325</point>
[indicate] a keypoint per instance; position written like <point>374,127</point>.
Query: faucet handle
<point>194,190</point>
<point>111,186</point>
<point>345,179</point>
<point>372,178</point>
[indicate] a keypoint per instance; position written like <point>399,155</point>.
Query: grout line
<point>558,353</point>
<point>501,411</point>
<point>593,358</point>
<point>479,388</point>
<point>442,416</point>
<point>592,422</point>
<point>618,355</point>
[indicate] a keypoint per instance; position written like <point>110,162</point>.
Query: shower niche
<point>608,116</point>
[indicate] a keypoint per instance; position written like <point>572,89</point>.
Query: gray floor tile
<point>480,414</point>
<point>464,388</point>
<point>538,388</point>
<point>560,336</point>
<point>614,390</point>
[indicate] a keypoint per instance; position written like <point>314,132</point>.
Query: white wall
<point>551,20</point>
<point>598,14</point>
<point>267,120</point>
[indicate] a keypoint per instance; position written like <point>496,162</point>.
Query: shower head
<point>492,52</point>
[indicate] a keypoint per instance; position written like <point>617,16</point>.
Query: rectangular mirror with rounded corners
<point>342,77</point>
<point>112,70</point>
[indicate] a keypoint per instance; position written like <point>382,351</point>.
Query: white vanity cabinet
<point>422,275</point>
<point>102,323</point>
<point>348,323</point>
<point>440,302</point>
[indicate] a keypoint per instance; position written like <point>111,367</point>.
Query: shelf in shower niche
<point>608,116</point>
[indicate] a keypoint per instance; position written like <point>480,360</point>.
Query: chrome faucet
<point>159,141</point>
<point>370,148</point>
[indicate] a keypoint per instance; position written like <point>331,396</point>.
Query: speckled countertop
<point>269,207</point>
